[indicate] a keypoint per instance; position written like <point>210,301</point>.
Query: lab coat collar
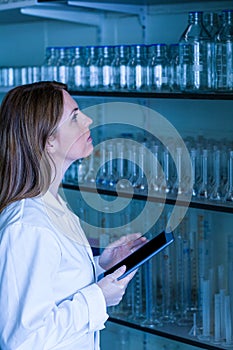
<point>57,206</point>
<point>64,219</point>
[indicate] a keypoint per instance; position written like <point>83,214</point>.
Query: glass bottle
<point>174,68</point>
<point>104,67</point>
<point>195,55</point>
<point>224,53</point>
<point>90,68</point>
<point>63,63</point>
<point>77,69</point>
<point>137,68</point>
<point>229,194</point>
<point>211,22</point>
<point>49,70</point>
<point>119,67</point>
<point>158,68</point>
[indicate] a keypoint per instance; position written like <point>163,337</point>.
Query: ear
<point>50,144</point>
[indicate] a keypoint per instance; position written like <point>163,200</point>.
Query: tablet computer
<point>144,253</point>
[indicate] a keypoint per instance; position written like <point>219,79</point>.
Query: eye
<point>75,116</point>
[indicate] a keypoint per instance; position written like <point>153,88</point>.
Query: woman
<point>50,297</point>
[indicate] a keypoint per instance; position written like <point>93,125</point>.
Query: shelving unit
<point>49,19</point>
<point>173,331</point>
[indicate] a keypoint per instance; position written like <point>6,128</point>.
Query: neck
<point>53,188</point>
<point>56,182</point>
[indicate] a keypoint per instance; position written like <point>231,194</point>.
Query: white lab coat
<point>48,296</point>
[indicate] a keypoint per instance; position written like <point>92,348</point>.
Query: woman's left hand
<point>119,249</point>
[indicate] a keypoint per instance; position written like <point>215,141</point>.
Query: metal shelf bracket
<point>139,10</point>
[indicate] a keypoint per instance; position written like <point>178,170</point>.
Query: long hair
<point>29,114</point>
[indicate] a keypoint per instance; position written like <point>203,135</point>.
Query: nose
<point>86,120</point>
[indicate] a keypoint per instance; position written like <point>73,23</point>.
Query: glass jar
<point>195,55</point>
<point>224,53</point>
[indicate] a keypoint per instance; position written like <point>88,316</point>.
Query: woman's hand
<point>114,289</point>
<point>119,249</point>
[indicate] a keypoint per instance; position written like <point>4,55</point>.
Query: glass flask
<point>141,184</point>
<point>122,182</point>
<point>217,191</point>
<point>193,156</point>
<point>90,177</point>
<point>133,169</point>
<point>166,185</point>
<point>179,186</point>
<point>102,173</point>
<point>110,179</point>
<point>158,67</point>
<point>204,188</point>
<point>156,179</point>
<point>224,53</point>
<point>137,68</point>
<point>195,55</point>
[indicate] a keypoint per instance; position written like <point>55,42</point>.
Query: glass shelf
<point>171,332</point>
<point>227,96</point>
<point>198,204</point>
<point>163,95</point>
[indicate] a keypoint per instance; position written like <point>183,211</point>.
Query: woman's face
<point>72,139</point>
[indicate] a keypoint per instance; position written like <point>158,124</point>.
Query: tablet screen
<point>144,253</point>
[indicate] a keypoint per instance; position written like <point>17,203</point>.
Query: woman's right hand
<point>113,289</point>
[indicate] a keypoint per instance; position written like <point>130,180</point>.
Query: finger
<point>132,237</point>
<point>116,243</point>
<point>128,278</point>
<point>118,272</point>
<point>139,242</point>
